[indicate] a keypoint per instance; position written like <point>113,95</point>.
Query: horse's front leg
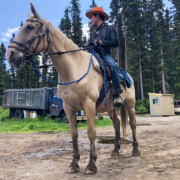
<point>91,132</point>
<point>71,114</point>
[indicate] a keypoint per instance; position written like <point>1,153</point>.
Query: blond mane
<point>67,44</point>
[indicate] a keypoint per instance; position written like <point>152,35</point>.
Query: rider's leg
<point>114,75</point>
<point>114,72</point>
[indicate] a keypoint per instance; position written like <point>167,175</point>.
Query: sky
<point>12,12</point>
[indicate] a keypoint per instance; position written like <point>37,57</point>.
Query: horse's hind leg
<point>130,105</point>
<point>74,167</point>
<point>116,125</point>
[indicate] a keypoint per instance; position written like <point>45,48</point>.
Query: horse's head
<point>30,40</point>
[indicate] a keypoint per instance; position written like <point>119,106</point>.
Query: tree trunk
<point>163,76</point>
<point>118,46</point>
<point>141,81</point>
<point>153,83</point>
<point>126,61</point>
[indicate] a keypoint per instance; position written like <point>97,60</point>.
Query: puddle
<point>50,152</point>
<point>55,132</point>
<point>143,124</point>
<point>111,140</point>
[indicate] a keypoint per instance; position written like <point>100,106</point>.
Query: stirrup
<point>118,104</point>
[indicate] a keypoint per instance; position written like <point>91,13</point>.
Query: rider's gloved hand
<point>98,42</point>
<point>86,45</point>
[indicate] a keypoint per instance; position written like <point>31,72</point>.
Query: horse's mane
<point>66,43</point>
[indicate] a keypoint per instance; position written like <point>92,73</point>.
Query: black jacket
<point>108,35</point>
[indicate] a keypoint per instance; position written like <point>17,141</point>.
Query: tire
<point>53,117</point>
<point>101,118</point>
<point>12,112</point>
<point>19,114</point>
<point>64,118</point>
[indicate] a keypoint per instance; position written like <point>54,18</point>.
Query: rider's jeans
<point>114,72</point>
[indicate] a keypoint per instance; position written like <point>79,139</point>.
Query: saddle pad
<point>127,78</point>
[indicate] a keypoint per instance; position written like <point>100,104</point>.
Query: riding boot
<point>117,99</point>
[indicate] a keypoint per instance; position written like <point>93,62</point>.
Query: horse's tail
<point>124,119</point>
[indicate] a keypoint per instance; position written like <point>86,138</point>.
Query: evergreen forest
<point>149,48</point>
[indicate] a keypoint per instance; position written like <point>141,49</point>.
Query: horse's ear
<point>34,11</point>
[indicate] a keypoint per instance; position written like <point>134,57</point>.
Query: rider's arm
<point>114,40</point>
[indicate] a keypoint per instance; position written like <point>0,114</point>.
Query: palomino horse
<point>77,96</point>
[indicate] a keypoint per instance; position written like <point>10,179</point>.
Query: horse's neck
<point>65,64</point>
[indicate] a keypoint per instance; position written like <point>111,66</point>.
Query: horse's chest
<point>72,98</point>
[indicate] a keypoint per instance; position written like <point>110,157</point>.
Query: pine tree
<point>20,72</point>
<point>8,80</point>
<point>13,77</point>
<point>175,57</point>
<point>125,14</point>
<point>134,40</point>
<point>21,25</point>
<point>116,20</point>
<point>65,24</point>
<point>2,71</point>
<point>92,5</point>
<point>76,22</point>
<point>13,36</point>
<point>12,73</point>
<point>161,37</point>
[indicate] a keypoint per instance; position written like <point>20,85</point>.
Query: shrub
<point>141,108</point>
<point>2,119</point>
<point>31,127</point>
<point>146,103</point>
<point>142,105</point>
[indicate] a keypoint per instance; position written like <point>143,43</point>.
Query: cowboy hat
<point>97,10</point>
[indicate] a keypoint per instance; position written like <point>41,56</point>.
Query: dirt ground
<point>36,156</point>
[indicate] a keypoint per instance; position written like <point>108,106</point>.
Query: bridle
<point>28,43</point>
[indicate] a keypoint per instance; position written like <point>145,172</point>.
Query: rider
<point>107,37</point>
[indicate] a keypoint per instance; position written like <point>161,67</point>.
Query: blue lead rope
<point>36,70</point>
<point>105,85</point>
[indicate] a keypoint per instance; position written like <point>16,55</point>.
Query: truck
<point>177,106</point>
<point>41,100</point>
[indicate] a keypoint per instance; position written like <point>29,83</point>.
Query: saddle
<point>124,78</point>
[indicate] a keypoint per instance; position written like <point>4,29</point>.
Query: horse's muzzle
<point>15,57</point>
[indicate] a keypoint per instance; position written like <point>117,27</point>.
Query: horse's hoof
<point>115,154</point>
<point>91,169</point>
<point>136,153</point>
<point>73,169</point>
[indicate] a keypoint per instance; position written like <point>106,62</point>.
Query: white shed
<point>161,104</point>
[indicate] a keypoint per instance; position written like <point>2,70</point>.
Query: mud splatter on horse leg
<point>130,105</point>
<point>116,125</point>
<point>74,167</point>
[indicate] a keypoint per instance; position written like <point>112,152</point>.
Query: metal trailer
<point>27,99</point>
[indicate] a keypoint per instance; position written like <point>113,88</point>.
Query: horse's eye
<point>29,26</point>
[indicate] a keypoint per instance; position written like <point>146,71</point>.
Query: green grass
<point>40,124</point>
<point>4,113</point>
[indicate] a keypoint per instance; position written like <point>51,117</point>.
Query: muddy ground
<point>47,156</point>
